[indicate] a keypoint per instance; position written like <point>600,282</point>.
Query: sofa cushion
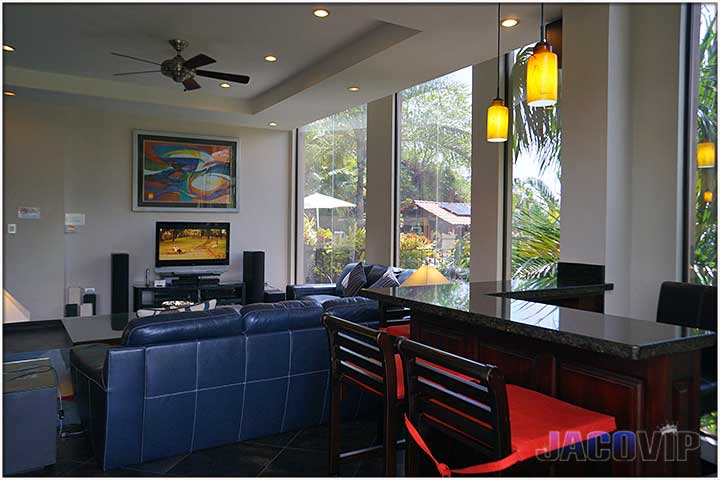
<point>280,316</point>
<point>354,281</point>
<point>354,309</point>
<point>182,326</point>
<point>321,299</point>
<point>388,279</point>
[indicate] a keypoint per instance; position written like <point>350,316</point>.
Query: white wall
<point>79,159</point>
<point>621,119</point>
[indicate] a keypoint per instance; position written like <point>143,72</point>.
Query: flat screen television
<point>192,247</point>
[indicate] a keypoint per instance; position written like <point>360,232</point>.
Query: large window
<point>435,123</point>
<point>334,152</point>
<point>535,149</point>
<point>703,214</point>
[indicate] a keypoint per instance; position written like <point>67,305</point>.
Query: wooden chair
<point>470,405</point>
<point>365,358</point>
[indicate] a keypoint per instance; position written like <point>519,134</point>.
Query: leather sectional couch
<point>188,381</point>
<point>328,292</point>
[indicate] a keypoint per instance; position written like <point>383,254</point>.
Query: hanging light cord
<point>542,22</point>
<point>497,93</point>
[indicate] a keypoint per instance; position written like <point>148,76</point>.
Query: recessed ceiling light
<point>9,94</point>
<point>509,22</point>
<point>272,124</point>
<point>224,85</point>
<point>321,13</point>
<point>270,58</point>
<point>8,48</point>
<point>353,89</point>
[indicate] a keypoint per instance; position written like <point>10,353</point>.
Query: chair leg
<point>390,418</point>
<point>335,419</point>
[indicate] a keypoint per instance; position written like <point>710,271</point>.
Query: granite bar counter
<point>645,374</point>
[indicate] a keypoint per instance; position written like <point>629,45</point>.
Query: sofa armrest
<point>296,292</point>
<point>90,360</point>
<point>355,309</point>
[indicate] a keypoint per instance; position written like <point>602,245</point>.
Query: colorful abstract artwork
<point>185,173</point>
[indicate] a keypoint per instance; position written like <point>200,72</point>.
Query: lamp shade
<point>497,121</point>
<point>707,196</point>
<point>542,76</point>
<point>425,275</point>
<point>706,154</point>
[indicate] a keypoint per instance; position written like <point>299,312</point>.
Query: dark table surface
<point>517,308</point>
<point>96,328</point>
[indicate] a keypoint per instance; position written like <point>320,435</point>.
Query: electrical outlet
<point>12,228</point>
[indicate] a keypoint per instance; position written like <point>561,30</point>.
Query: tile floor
<point>292,454</point>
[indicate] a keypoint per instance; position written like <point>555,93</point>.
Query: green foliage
<point>704,250</point>
<point>328,254</point>
<point>416,250</point>
<point>535,232</point>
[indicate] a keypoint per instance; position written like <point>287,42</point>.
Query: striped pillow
<point>388,279</point>
<point>198,307</point>
<point>354,281</point>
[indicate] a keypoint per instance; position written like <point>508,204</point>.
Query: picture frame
<point>179,172</point>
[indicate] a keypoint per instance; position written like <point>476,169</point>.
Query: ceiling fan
<point>183,71</point>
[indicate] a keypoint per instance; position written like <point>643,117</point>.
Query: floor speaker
<point>120,283</point>
<point>254,276</point>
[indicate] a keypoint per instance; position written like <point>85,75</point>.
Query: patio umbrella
<point>317,201</point>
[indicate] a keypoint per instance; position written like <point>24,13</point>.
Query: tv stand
<point>148,296</point>
<point>189,279</point>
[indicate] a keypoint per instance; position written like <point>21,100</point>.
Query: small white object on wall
<point>159,283</point>
<point>75,219</point>
<point>12,228</point>
<point>28,213</point>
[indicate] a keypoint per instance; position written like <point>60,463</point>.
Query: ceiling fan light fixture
<point>353,89</point>
<point>270,58</point>
<point>509,22</point>
<point>321,13</point>
<point>8,93</point>
<point>8,48</point>
<point>224,85</point>
<point>272,124</point>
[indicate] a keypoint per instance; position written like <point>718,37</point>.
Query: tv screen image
<point>192,244</point>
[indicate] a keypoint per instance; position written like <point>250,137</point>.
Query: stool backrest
<point>688,305</point>
<point>463,399</point>
<point>360,355</point>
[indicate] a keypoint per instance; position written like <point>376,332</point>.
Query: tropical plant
<point>416,250</point>
<point>535,232</point>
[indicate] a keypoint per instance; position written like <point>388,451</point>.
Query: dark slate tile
<point>278,440</point>
<point>159,466</point>
<point>237,460</point>
<point>356,434</point>
<point>298,463</point>
<point>92,469</point>
<point>61,468</point>
<point>76,448</point>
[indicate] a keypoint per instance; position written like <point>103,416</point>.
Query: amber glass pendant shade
<point>542,76</point>
<point>706,155</point>
<point>707,196</point>
<point>497,121</point>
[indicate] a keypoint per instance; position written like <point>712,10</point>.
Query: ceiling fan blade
<point>191,84</point>
<point>223,76</point>
<point>198,61</point>
<point>135,73</point>
<point>134,58</point>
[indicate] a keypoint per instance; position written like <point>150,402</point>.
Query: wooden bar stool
<point>470,403</point>
<point>365,358</point>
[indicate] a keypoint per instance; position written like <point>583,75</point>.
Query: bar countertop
<point>509,307</point>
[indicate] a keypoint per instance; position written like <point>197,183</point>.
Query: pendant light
<point>542,71</point>
<point>706,154</point>
<point>707,196</point>
<point>497,114</point>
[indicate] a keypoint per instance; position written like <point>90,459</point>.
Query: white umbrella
<point>316,201</point>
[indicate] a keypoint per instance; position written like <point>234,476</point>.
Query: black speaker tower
<point>120,283</point>
<point>254,276</point>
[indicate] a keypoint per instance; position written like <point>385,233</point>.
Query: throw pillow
<point>198,307</point>
<point>388,279</point>
<point>354,281</point>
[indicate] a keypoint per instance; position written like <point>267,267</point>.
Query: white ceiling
<point>62,50</point>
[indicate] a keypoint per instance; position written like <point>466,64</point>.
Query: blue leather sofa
<point>188,381</point>
<point>329,292</point>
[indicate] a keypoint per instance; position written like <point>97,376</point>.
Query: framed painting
<point>184,173</point>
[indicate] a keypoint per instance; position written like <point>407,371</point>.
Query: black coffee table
<point>97,328</point>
